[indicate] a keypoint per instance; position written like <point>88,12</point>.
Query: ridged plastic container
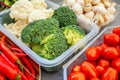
<point>51,65</point>
<point>80,57</point>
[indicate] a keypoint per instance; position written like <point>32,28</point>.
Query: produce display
<point>101,12</point>
<point>102,61</point>
<point>15,64</point>
<point>50,35</point>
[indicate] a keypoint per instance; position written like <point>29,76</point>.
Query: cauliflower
<point>38,4</point>
<point>16,28</point>
<point>21,9</point>
<point>26,11</point>
<point>37,14</point>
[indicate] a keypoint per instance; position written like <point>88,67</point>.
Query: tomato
<point>116,64</point>
<point>104,63</point>
<point>92,62</point>
<point>76,76</point>
<point>103,45</point>
<point>95,79</point>
<point>100,69</point>
<point>110,74</point>
<point>89,69</point>
<point>117,30</point>
<point>76,68</point>
<point>92,53</point>
<point>98,49</point>
<point>110,53</point>
<point>111,39</point>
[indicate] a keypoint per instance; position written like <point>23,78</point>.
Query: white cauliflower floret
<point>38,4</point>
<point>21,9</point>
<point>37,14</point>
<point>16,28</point>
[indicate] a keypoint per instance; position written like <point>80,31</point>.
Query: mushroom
<point>111,10</point>
<point>90,15</point>
<point>80,2</point>
<point>100,9</point>
<point>87,7</point>
<point>71,2</point>
<point>95,2</point>
<point>77,8</point>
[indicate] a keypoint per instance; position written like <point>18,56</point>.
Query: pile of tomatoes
<point>103,60</point>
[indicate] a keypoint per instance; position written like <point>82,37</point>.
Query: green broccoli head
<point>65,16</point>
<point>34,32</point>
<point>52,46</point>
<point>73,34</point>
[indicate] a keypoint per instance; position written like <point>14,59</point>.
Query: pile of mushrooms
<point>99,11</point>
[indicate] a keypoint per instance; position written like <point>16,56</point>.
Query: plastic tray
<point>76,60</point>
<point>50,65</point>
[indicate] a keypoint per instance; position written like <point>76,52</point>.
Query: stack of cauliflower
<point>100,11</point>
<point>26,11</point>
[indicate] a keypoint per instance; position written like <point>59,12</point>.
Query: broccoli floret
<point>52,46</point>
<point>65,16</point>
<point>45,38</point>
<point>73,34</point>
<point>34,32</point>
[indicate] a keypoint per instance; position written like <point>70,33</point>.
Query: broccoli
<point>65,16</point>
<point>34,32</point>
<point>45,38</point>
<point>52,46</point>
<point>73,34</point>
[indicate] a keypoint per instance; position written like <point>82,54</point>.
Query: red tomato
<point>92,62</point>
<point>103,46</point>
<point>111,39</point>
<point>89,69</point>
<point>104,63</point>
<point>92,53</point>
<point>76,68</point>
<point>95,79</point>
<point>100,69</point>
<point>76,76</point>
<point>110,53</point>
<point>117,30</point>
<point>110,74</point>
<point>116,64</point>
<point>98,49</point>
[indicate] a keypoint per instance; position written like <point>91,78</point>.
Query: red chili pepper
<point>29,75</point>
<point>14,66</point>
<point>7,70</point>
<point>28,64</point>
<point>16,49</point>
<point>36,66</point>
<point>2,77</point>
<point>8,53</point>
<point>20,54</point>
